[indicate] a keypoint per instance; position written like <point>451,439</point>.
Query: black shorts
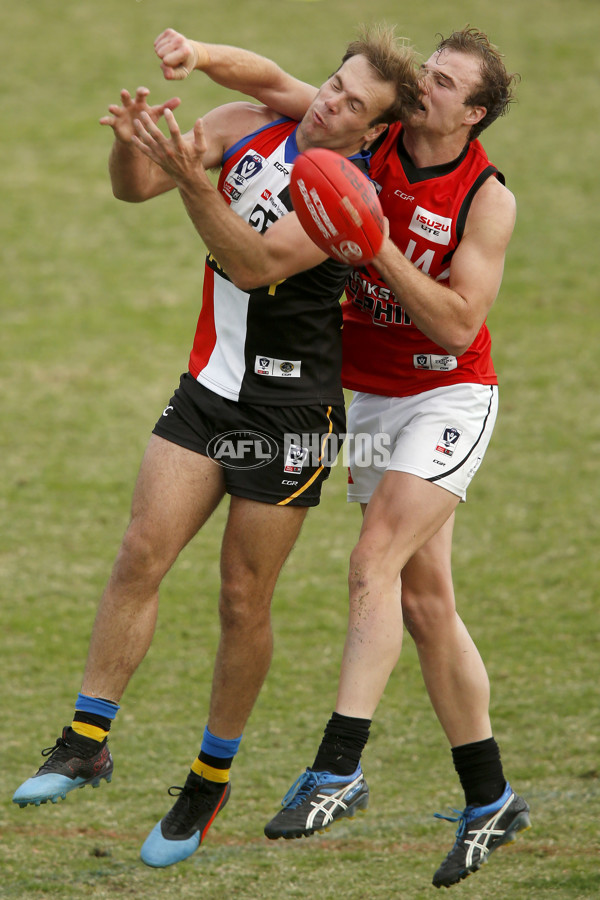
<point>273,454</point>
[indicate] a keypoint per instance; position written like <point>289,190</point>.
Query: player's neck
<point>432,150</point>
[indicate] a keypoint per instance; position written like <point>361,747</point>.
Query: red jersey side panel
<point>384,353</point>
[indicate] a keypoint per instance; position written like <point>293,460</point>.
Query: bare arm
<point>236,69</point>
<point>452,315</point>
<point>249,258</point>
<point>134,177</point>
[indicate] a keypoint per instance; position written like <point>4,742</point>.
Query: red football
<point>337,206</point>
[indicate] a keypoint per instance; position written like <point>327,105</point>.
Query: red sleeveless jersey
<point>383,352</point>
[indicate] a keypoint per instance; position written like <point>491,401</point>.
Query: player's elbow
<point>462,328</point>
<point>454,348</point>
<point>459,341</point>
<point>249,276</point>
<point>127,193</point>
<point>246,279</point>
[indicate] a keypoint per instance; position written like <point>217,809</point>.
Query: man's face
<point>448,78</point>
<point>340,115</point>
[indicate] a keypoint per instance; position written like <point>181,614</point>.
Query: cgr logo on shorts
<point>242,449</point>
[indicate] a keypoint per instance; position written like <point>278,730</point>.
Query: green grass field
<point>98,305</point>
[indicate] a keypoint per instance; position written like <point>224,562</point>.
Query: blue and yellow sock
<point>213,763</point>
<point>93,717</point>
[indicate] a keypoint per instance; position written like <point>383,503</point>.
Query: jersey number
<point>260,218</point>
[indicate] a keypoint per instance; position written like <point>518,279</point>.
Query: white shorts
<point>439,435</point>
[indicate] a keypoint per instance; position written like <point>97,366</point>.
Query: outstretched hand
<point>179,56</point>
<point>179,156</point>
<point>122,117</point>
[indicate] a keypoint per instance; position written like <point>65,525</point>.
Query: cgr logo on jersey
<point>448,441</point>
<point>431,227</point>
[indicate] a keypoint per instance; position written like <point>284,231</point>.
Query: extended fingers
<point>148,131</point>
<point>172,125</point>
<point>173,103</point>
<point>148,135</point>
<point>199,138</point>
<point>139,99</point>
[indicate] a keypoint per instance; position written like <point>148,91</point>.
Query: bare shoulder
<point>242,116</point>
<point>494,208</point>
<point>225,125</point>
<point>495,196</point>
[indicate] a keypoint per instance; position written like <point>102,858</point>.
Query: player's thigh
<point>257,540</point>
<point>403,514</point>
<point>176,491</point>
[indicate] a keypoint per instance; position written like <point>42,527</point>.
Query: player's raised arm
<point>133,176</point>
<point>236,69</point>
<point>250,259</point>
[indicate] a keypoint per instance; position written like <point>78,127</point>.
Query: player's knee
<point>370,565</point>
<point>244,604</point>
<point>426,614</point>
<point>141,556</point>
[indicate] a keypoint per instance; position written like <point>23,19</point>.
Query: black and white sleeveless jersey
<point>279,344</point>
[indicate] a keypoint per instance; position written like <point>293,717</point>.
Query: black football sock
<point>480,771</point>
<point>343,742</point>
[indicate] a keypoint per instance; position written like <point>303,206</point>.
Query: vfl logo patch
<point>295,459</point>
<point>280,368</point>
<point>448,441</point>
<point>237,181</point>
<point>434,362</point>
<point>248,166</point>
<point>431,227</point>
